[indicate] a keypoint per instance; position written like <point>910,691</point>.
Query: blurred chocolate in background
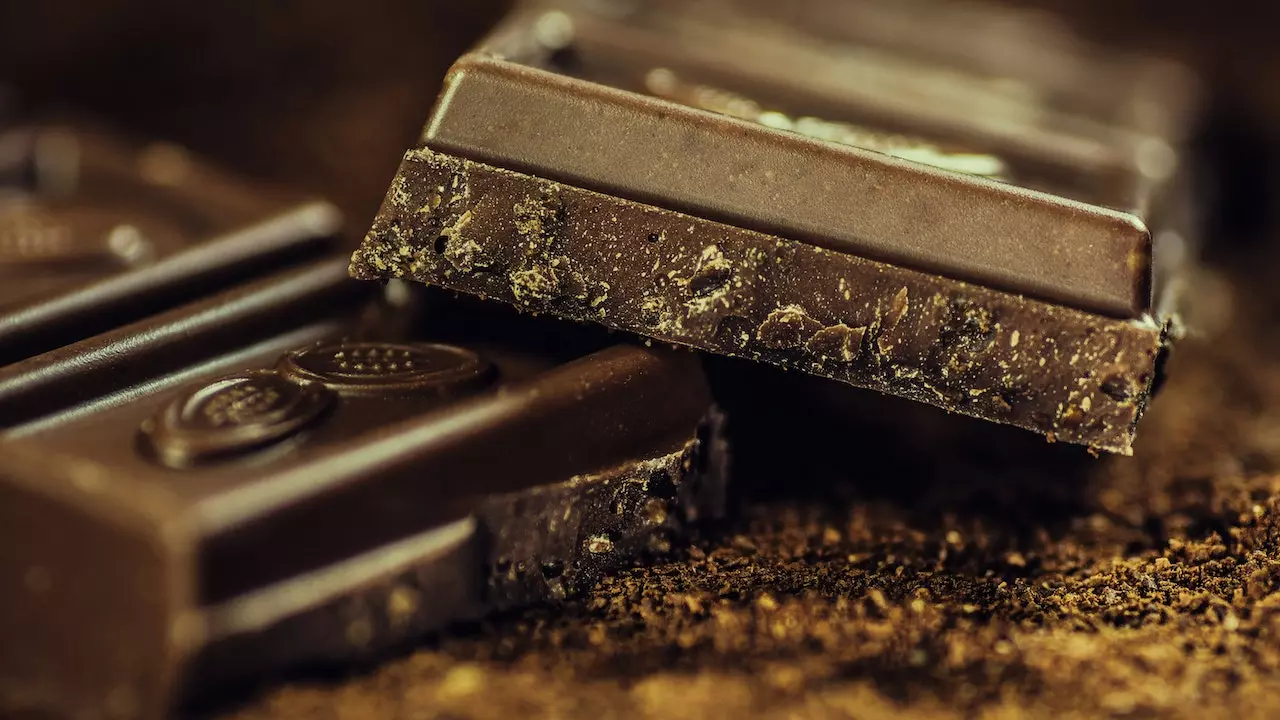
<point>326,94</point>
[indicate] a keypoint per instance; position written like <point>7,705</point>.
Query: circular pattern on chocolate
<point>232,415</point>
<point>368,367</point>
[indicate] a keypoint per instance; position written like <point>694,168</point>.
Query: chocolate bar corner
<point>721,177</point>
<point>275,478</point>
<point>98,230</point>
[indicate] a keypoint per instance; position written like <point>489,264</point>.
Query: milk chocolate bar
<point>729,187</point>
<point>300,486</point>
<point>96,232</point>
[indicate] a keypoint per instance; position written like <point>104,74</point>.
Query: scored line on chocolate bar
<point>259,610</point>
<point>842,198</point>
<point>300,337</point>
<point>289,236</point>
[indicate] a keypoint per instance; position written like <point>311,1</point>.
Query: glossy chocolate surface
<point>743,183</point>
<point>766,127</point>
<point>1004,50</point>
<point>277,477</point>
<point>96,232</point>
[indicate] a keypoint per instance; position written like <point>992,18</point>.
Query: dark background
<point>322,94</point>
<point>326,94</point>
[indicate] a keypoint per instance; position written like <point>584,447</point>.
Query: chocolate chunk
<point>730,184</point>
<point>953,344</point>
<point>96,232</point>
<point>817,156</point>
<point>265,479</point>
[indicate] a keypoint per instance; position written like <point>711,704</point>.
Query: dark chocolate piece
<point>96,233</point>
<point>582,255</point>
<point>726,216</point>
<point>810,154</point>
<point>922,46</point>
<point>296,488</point>
<point>844,198</point>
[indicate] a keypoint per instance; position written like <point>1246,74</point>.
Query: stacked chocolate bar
<point>262,463</point>
<point>716,176</point>
<point>222,457</point>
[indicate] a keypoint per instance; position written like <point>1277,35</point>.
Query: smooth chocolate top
<point>1004,49</point>
<point>96,232</point>
<point>766,128</point>
<point>205,459</point>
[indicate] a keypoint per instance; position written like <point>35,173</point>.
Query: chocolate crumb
<point>839,343</point>
<point>787,327</point>
<point>958,583</point>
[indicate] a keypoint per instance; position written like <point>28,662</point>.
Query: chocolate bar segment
<point>652,101</point>
<point>312,490</point>
<point>844,198</point>
<point>1007,50</point>
<point>302,305</point>
<point>1074,376</point>
<point>96,232</point>
<point>728,187</point>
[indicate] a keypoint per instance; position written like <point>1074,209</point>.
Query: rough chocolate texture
<point>265,480</point>
<point>586,531</point>
<point>555,542</point>
<point>966,581</point>
<point>548,247</point>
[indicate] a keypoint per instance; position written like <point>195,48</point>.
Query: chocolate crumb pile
<point>968,571</point>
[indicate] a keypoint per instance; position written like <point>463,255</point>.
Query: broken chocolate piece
<point>993,263</point>
<point>815,153</point>
<point>956,345</point>
<point>263,480</point>
<point>96,232</point>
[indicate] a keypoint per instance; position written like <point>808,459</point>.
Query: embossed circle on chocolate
<point>365,367</point>
<point>232,415</point>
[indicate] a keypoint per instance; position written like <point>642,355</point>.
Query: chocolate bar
<point>918,47</point>
<point>96,232</point>
<point>735,186</point>
<point>268,479</point>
